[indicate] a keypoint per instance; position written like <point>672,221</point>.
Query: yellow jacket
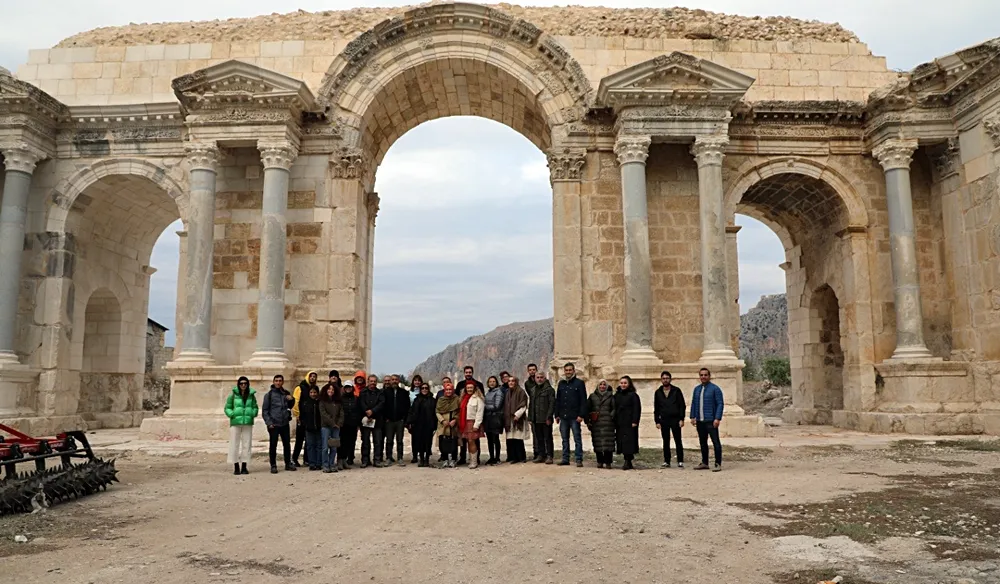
<point>297,392</point>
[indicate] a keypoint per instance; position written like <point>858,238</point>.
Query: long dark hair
<point>630,387</point>
<point>243,392</point>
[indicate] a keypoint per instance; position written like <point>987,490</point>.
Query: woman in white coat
<point>516,426</point>
<point>470,420</point>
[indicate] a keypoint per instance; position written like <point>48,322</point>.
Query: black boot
<point>236,468</point>
<point>274,469</point>
<point>243,469</point>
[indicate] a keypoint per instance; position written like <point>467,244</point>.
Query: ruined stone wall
<point>675,250</point>
<point>236,258</point>
<point>784,70</point>
<point>935,293</point>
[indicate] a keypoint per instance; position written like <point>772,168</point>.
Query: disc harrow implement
<point>38,486</point>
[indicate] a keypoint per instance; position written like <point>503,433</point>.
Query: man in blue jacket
<point>706,415</point>
<point>571,407</point>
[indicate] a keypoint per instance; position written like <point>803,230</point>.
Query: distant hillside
<point>506,348</point>
<point>763,333</point>
<point>764,329</point>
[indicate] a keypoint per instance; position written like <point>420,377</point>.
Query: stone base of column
<point>198,394</point>
<point>268,359</point>
<point>926,424</point>
<point>719,355</point>
<point>16,380</point>
<point>34,425</point>
<point>913,353</point>
<point>194,359</point>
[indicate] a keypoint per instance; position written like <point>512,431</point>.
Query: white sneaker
<point>680,465</point>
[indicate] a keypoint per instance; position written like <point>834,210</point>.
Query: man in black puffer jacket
<point>397,408</point>
<point>371,403</point>
<point>668,413</point>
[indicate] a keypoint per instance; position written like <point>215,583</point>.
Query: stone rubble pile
<point>568,21</point>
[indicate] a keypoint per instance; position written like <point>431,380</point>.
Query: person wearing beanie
<point>349,431</point>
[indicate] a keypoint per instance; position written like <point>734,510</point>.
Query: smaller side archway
<point>821,223</point>
<point>109,382</point>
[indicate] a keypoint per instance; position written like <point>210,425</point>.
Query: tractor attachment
<point>38,487</point>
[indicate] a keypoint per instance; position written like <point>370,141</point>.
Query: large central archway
<point>434,62</point>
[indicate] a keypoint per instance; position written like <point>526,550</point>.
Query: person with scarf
<point>349,431</point>
<point>277,413</point>
<point>331,413</point>
<point>493,420</point>
<point>422,422</point>
<point>447,411</point>
<point>601,423</point>
<point>241,409</point>
<point>628,408</point>
<point>312,423</point>
<point>302,391</point>
<point>515,422</point>
<point>470,422</point>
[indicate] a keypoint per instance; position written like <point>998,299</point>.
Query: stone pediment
<point>19,97</point>
<point>677,78</point>
<point>238,84</point>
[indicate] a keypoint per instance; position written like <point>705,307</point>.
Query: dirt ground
<point>910,511</point>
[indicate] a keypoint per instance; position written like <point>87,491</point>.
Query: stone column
<point>20,163</point>
<point>894,155</point>
<point>565,175</point>
<point>708,152</point>
<point>372,204</point>
<point>632,152</point>
<point>202,160</point>
<point>278,158</point>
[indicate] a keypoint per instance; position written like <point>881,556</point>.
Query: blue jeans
<point>314,452</point>
<point>329,454</point>
<point>565,424</point>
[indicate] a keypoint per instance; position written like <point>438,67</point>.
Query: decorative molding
<point>991,123</point>
<point>202,156</point>
<point>277,154</point>
<point>567,164</point>
<point>674,78</point>
<point>709,150</point>
<point>347,163</point>
<point>371,204</point>
<point>945,158</point>
<point>430,26</point>
<point>895,153</point>
<point>632,149</point>
<point>20,157</point>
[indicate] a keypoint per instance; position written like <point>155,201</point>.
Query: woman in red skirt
<point>470,420</point>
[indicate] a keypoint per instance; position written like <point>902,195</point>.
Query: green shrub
<point>777,370</point>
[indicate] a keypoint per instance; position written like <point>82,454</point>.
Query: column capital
<point>347,163</point>
<point>280,154</point>
<point>709,150</point>
<point>20,157</point>
<point>632,149</point>
<point>895,153</point>
<point>566,164</point>
<point>202,155</point>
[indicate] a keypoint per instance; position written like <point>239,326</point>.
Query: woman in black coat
<point>628,408</point>
<point>601,423</point>
<point>422,423</point>
<point>349,431</point>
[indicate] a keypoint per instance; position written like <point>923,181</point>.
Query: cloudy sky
<point>464,237</point>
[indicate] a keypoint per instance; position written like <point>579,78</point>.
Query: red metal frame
<point>19,448</point>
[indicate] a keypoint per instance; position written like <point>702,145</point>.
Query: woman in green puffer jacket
<point>241,409</point>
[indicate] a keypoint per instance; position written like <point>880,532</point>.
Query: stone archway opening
<point>473,138</point>
<point>809,217</point>
<point>110,231</point>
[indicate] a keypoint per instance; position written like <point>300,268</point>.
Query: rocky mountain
<point>764,329</point>
<point>763,333</point>
<point>509,347</point>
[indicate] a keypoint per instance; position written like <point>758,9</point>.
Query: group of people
<point>328,420</point>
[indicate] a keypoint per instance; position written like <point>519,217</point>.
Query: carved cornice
<point>895,153</point>
<point>632,149</point>
<point>567,164</point>
<point>277,154</point>
<point>20,157</point>
<point>991,124</point>
<point>709,150</point>
<point>17,96</point>
<point>430,24</point>
<point>202,156</point>
<point>371,204</point>
<point>347,163</point>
